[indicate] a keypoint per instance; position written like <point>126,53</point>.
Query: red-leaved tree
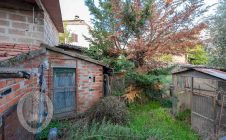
<point>144,30</point>
<point>171,28</point>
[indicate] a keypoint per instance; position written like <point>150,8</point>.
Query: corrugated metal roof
<point>209,71</point>
<point>213,72</point>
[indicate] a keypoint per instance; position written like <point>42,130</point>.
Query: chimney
<point>76,17</point>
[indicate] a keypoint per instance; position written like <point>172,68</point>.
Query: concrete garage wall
<point>17,26</point>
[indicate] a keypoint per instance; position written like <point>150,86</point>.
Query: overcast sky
<point>70,8</point>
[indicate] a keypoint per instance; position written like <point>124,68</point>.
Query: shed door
<point>64,90</point>
<point>203,114</point>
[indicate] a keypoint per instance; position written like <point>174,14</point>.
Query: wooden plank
<point>203,116</point>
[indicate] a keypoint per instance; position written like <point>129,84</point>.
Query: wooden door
<point>64,90</point>
<point>203,114</point>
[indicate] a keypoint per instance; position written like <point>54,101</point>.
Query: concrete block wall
<point>17,26</point>
<point>51,36</point>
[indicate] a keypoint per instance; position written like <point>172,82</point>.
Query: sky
<point>70,8</point>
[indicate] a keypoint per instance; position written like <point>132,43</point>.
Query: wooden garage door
<point>11,129</point>
<point>64,90</point>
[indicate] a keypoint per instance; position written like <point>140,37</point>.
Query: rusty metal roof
<point>212,72</point>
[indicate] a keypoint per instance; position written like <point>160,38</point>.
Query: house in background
<point>78,29</point>
<point>179,59</point>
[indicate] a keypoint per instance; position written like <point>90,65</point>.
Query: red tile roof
<point>8,51</point>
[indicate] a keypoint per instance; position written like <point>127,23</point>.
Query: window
<point>74,37</point>
<point>180,82</point>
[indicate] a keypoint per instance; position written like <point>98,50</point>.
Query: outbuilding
<point>75,81</point>
<point>203,91</point>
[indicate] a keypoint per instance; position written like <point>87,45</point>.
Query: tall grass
<point>149,121</point>
<point>153,120</point>
<point>102,131</point>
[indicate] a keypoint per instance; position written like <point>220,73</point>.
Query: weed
<point>184,115</point>
<point>153,120</point>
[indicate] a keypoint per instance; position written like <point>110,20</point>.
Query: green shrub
<point>102,131</point>
<point>58,124</point>
<point>111,109</point>
<point>153,84</point>
<point>117,93</point>
<point>166,102</point>
<point>184,115</point>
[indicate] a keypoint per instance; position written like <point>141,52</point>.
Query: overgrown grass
<point>184,115</point>
<point>102,131</point>
<point>148,121</point>
<point>153,120</point>
<point>57,124</point>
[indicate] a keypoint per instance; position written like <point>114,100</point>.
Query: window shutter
<point>75,37</point>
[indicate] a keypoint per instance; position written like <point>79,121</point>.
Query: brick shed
<point>203,91</point>
<point>75,81</point>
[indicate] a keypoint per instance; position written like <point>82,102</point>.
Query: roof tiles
<point>8,51</point>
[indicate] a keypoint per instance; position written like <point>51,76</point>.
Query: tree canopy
<point>218,36</point>
<point>142,30</point>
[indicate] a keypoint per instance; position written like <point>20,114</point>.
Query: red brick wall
<point>87,91</point>
<point>20,86</point>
